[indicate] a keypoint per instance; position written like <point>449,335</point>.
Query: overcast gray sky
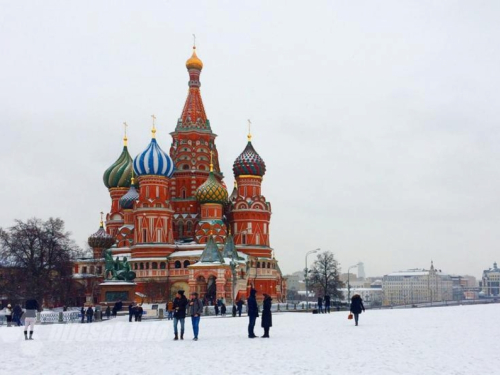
<point>378,121</point>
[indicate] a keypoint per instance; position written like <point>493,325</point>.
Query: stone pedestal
<point>114,291</point>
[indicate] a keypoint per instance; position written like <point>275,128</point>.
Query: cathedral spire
<point>193,115</point>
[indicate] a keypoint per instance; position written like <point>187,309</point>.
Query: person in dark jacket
<point>267,318</point>
<point>253,313</point>
<point>357,307</point>
<point>90,314</point>
<point>239,306</point>
<point>320,305</point>
<point>216,309</point>
<point>195,309</point>
<point>108,312</point>
<point>327,304</point>
<point>180,305</point>
<point>138,314</point>
<point>131,312</point>
<point>82,313</point>
<point>223,310</point>
<point>17,313</point>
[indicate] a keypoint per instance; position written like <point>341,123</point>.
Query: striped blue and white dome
<point>153,161</point>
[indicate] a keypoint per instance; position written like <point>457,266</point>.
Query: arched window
<point>180,228</point>
<point>258,264</point>
<point>268,265</point>
<point>92,269</point>
<point>177,264</point>
<point>144,235</point>
<point>163,265</point>
<point>141,266</point>
<point>84,269</point>
<point>186,263</point>
<point>244,239</point>
<point>154,265</point>
<point>185,166</point>
<point>189,226</point>
<point>135,266</point>
<point>183,194</point>
<point>147,265</point>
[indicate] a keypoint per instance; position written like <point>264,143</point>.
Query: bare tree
<point>325,275</point>
<point>39,253</point>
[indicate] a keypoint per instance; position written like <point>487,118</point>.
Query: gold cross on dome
<point>102,213</point>
<point>249,130</point>
<point>194,40</point>
<point>154,128</point>
<point>125,133</point>
<point>211,161</point>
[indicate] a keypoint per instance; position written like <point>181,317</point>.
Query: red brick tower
<point>192,143</point>
<point>249,211</point>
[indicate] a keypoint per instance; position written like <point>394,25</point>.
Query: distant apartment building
<point>490,284</point>
<point>417,286</point>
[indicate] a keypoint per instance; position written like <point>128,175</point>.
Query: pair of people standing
<point>253,314</point>
<point>193,307</point>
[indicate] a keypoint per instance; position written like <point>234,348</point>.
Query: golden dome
<point>194,62</point>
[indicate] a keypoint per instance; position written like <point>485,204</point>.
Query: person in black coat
<point>82,312</point>
<point>327,304</point>
<point>320,305</point>
<point>267,318</point>
<point>90,314</point>
<point>357,307</point>
<point>180,305</point>
<point>239,305</point>
<point>131,311</point>
<point>223,310</point>
<point>253,313</point>
<point>108,312</point>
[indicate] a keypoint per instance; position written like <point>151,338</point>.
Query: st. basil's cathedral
<point>174,224</point>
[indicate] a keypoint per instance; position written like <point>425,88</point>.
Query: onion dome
<point>101,239</point>
<point>153,160</point>
<point>211,191</point>
<point>249,162</point>
<point>194,62</point>
<point>120,172</point>
<point>127,201</point>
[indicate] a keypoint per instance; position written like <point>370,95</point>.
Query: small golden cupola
<point>194,62</point>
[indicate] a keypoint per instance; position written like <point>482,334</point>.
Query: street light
<point>307,271</point>
<point>349,285</point>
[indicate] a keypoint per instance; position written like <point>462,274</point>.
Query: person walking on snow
<point>195,309</point>
<point>17,313</point>
<point>130,312</point>
<point>253,313</point>
<point>356,307</point>
<point>108,312</point>
<point>267,319</point>
<point>30,317</point>
<point>180,305</point>
<point>82,313</point>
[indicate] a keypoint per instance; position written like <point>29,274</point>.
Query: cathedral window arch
<point>244,239</point>
<point>177,264</point>
<point>183,193</point>
<point>147,265</point>
<point>189,226</point>
<point>186,263</point>
<point>258,264</point>
<point>268,265</point>
<point>163,265</point>
<point>180,228</point>
<point>154,265</point>
<point>185,166</point>
<point>141,266</point>
<point>135,266</point>
<point>144,235</point>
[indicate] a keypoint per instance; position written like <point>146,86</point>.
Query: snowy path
<point>447,340</point>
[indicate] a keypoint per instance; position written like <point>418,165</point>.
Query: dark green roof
<point>211,253</point>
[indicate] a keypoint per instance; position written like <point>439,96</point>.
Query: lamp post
<point>349,285</point>
<point>307,272</point>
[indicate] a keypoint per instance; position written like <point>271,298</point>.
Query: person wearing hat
<point>253,313</point>
<point>195,309</point>
<point>8,314</point>
<point>357,307</point>
<point>180,305</point>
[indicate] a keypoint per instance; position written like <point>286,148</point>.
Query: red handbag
<point>349,316</point>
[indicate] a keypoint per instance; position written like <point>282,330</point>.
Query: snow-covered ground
<point>445,340</point>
